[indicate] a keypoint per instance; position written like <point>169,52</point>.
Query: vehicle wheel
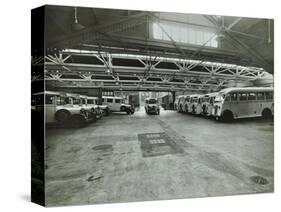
<point>267,114</point>
<point>227,116</point>
<point>62,115</point>
<point>122,108</point>
<point>77,121</point>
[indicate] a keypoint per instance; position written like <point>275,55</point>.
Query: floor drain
<point>92,178</point>
<point>259,180</point>
<point>102,147</point>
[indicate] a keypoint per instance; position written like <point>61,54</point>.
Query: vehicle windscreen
<point>194,100</point>
<point>218,99</point>
<point>152,101</point>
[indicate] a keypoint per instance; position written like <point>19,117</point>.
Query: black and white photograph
<point>139,105</point>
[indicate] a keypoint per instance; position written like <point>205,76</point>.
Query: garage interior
<point>139,54</point>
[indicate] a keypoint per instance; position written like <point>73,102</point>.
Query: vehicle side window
<point>90,101</point>
<point>212,100</point>
<point>60,100</point>
<point>252,96</point>
<point>268,95</point>
<point>103,100</point>
<point>68,100</point>
<point>49,100</point>
<point>242,96</point>
<point>260,96</point>
<point>117,100</point>
<point>233,96</point>
<point>227,98</point>
<point>76,101</point>
<point>110,100</point>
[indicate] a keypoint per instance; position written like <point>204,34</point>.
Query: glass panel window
<point>252,96</point>
<point>49,100</point>
<point>109,100</point>
<point>227,98</point>
<point>90,101</point>
<point>76,101</point>
<point>60,100</point>
<point>184,34</point>
<point>260,96</point>
<point>268,95</point>
<point>233,96</point>
<point>242,96</point>
<point>117,100</point>
<point>68,100</point>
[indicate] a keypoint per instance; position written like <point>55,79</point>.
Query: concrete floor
<point>113,160</point>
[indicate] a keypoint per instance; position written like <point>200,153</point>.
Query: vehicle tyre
<point>267,114</point>
<point>62,116</point>
<point>122,108</point>
<point>227,116</point>
<point>77,121</point>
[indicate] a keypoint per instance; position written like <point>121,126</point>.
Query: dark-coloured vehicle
<point>152,106</point>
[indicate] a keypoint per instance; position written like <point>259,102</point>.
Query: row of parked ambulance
<point>74,109</point>
<point>229,103</point>
<point>196,104</point>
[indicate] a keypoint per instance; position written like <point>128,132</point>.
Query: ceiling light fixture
<point>76,26</point>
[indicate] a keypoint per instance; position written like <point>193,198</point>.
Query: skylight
<point>183,34</point>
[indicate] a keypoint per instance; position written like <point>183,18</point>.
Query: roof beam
<point>91,33</point>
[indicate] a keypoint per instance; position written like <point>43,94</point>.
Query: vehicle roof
<point>72,95</point>
<point>47,92</point>
<point>211,94</point>
<point>195,95</point>
<point>92,97</point>
<point>112,97</point>
<point>150,98</point>
<point>233,89</point>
